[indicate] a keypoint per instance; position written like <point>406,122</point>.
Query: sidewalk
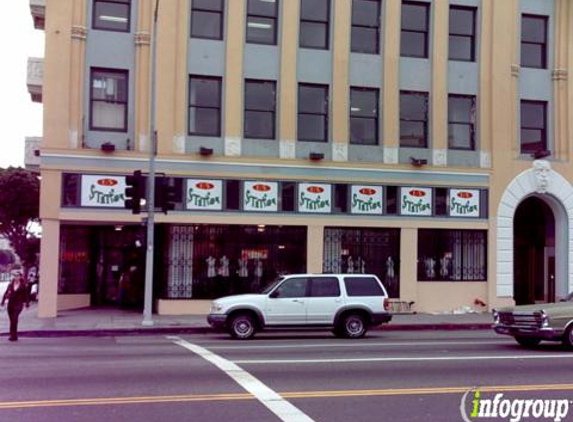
<point>112,321</point>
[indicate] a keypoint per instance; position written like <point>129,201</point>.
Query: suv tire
<point>242,326</point>
<point>353,326</point>
<point>568,337</point>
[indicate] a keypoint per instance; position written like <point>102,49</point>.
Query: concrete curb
<point>114,332</point>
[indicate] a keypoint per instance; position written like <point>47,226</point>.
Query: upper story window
<point>461,121</point>
<point>108,100</point>
<point>413,119</point>
<point>111,15</point>
<point>204,106</point>
<point>312,112</point>
<point>462,33</point>
<point>533,126</point>
<point>365,36</point>
<point>260,109</point>
<point>415,29</point>
<point>207,19</point>
<point>364,116</point>
<point>314,23</point>
<point>534,41</point>
<point>262,21</point>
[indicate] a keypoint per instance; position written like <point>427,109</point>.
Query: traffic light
<point>134,191</point>
<point>165,197</point>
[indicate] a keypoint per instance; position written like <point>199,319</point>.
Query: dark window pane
<point>412,134</point>
<point>413,44</point>
<point>413,106</point>
<point>205,92</point>
<point>314,10</point>
<point>532,115</point>
<point>204,121</point>
<point>259,124</point>
<point>232,195</point>
<point>288,196</point>
<point>460,109</point>
<point>532,140</point>
<point>362,286</point>
<point>414,17</point>
<point>261,30</point>
<point>214,5</point>
<point>461,48</point>
<point>533,29</point>
<point>441,197</point>
<point>206,24</point>
<point>312,99</point>
<point>533,55</point>
<point>260,95</point>
<point>262,7</point>
<point>312,127</point>
<point>364,40</point>
<point>314,35</point>
<point>111,15</point>
<point>363,102</point>
<point>462,21</point>
<point>460,136</point>
<point>325,287</point>
<point>366,13</point>
<point>363,131</point>
<point>294,287</point>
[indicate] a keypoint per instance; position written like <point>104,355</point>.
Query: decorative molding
<point>559,74</point>
<point>142,38</point>
<point>35,78</point>
<point>440,157</point>
<point>390,155</point>
<point>79,32</point>
<point>287,149</point>
<point>179,144</point>
<point>485,159</point>
<point>515,70</point>
<point>339,151</point>
<point>73,139</point>
<point>143,141</point>
<point>232,147</point>
<point>542,170</point>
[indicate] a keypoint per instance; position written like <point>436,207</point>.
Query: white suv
<point>346,303</point>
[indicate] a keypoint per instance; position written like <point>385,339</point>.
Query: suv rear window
<point>362,286</point>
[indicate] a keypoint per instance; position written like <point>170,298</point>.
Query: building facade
<point>427,142</point>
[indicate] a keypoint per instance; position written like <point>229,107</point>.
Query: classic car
<point>530,324</point>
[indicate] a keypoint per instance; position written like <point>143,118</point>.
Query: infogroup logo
<point>512,410</point>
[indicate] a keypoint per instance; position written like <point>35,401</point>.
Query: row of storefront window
<point>207,261</point>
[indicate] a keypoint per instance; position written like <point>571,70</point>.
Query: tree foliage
<point>19,207</point>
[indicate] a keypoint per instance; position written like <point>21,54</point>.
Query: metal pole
<point>148,299</point>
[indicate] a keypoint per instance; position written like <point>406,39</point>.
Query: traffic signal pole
<point>148,297</point>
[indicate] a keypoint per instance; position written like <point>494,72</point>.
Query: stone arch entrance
<point>556,192</point>
<point>534,252</point>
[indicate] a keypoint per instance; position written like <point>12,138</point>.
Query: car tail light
<point>386,304</point>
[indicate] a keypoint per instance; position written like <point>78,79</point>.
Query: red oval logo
<point>205,185</point>
<point>417,193</point>
<point>107,182</point>
<point>464,195</point>
<point>262,188</point>
<point>315,189</point>
<point>367,191</point>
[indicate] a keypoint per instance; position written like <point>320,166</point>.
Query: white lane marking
<point>354,345</point>
<point>402,359</point>
<point>268,397</point>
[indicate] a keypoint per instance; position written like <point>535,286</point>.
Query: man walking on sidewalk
<point>17,295</point>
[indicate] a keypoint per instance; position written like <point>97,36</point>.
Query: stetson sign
<point>260,196</point>
<point>314,197</point>
<point>415,201</point>
<point>103,191</point>
<point>366,200</point>
<point>204,194</point>
<point>463,203</point>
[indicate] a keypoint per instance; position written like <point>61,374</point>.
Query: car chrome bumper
<point>541,333</point>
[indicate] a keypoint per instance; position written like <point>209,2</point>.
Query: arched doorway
<point>534,252</point>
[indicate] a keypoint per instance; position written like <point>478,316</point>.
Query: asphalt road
<point>291,377</point>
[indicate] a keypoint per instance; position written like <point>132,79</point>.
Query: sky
<point>19,116</point>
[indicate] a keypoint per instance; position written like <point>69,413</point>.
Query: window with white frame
<point>111,15</point>
<point>108,99</point>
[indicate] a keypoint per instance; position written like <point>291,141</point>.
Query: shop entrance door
<point>534,253</point>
